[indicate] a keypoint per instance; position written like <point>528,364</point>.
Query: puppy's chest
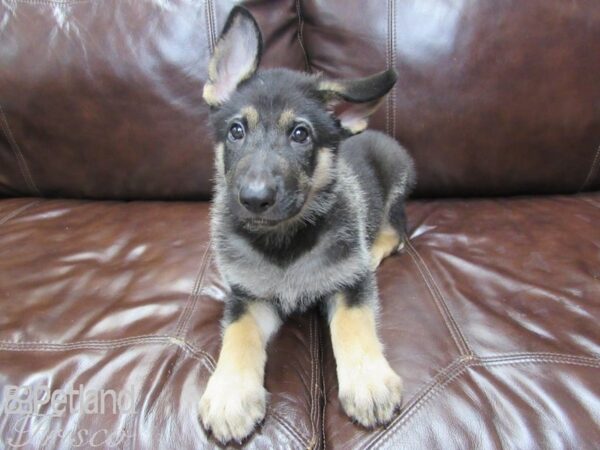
<point>293,285</point>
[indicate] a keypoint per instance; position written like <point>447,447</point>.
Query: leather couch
<point>107,279</point>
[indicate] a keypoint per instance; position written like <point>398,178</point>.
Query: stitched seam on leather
<point>300,36</point>
<point>323,391</point>
<point>184,318</point>
<point>210,25</point>
<point>388,50</point>
<point>592,171</point>
<point>393,64</point>
<point>520,355</point>
<point>191,295</point>
<point>318,378</point>
<point>461,333</point>
<point>192,310</point>
<point>541,357</point>
<point>100,342</point>
<point>102,345</point>
<point>436,388</point>
<point>312,383</point>
<point>21,162</point>
<point>439,379</point>
<point>213,18</point>
<point>53,2</point>
<point>289,428</point>
<point>14,213</point>
<point>459,340</point>
<point>199,353</point>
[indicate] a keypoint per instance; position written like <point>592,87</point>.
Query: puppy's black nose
<point>257,197</point>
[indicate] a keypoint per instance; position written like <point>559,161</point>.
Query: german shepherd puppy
<point>303,213</point>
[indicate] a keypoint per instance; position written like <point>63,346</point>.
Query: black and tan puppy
<point>303,213</point>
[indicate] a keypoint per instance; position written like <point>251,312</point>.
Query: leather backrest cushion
<point>103,99</point>
<point>493,97</point>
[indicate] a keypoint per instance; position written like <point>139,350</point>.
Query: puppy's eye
<point>300,134</point>
<point>236,131</point>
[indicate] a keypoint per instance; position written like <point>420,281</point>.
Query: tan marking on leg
<point>386,243</point>
<point>369,390</point>
<point>251,115</point>
<point>235,400</point>
<point>286,119</point>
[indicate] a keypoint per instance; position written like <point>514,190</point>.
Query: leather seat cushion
<point>490,316</point>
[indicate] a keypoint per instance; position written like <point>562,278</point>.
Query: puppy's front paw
<point>370,394</point>
<point>232,406</point>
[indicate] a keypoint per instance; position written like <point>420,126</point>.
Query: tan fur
<point>333,86</point>
<point>386,243</point>
<point>251,115</point>
<point>219,159</point>
<point>235,399</point>
<point>286,119</point>
<point>212,64</point>
<point>323,171</point>
<point>369,390</point>
<point>359,126</point>
<point>243,350</point>
<point>209,94</point>
<point>353,333</point>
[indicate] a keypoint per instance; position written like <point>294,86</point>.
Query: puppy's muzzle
<point>258,196</point>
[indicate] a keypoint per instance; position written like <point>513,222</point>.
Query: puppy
<point>304,210</point>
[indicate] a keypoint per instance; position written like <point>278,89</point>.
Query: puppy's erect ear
<point>355,100</point>
<point>236,56</point>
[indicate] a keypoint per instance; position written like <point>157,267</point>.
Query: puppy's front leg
<point>369,390</point>
<point>235,399</point>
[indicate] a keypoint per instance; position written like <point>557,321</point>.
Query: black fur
<point>299,208</point>
<point>334,192</point>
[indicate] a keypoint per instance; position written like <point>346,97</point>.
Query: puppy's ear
<point>353,101</point>
<point>236,56</point>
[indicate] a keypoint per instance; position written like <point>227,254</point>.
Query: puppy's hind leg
<point>234,401</point>
<point>369,389</point>
<point>391,235</point>
<point>386,242</point>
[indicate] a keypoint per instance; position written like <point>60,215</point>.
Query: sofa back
<point>102,99</point>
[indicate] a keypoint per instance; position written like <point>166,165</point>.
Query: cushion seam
<point>313,369</point>
<point>388,65</point>
<point>15,212</point>
<point>455,331</point>
<point>289,428</point>
<point>434,388</point>
<point>323,391</point>
<point>190,305</point>
<point>21,161</point>
<point>393,66</point>
<point>593,169</point>
<point>300,36</point>
<point>108,344</point>
<point>210,25</point>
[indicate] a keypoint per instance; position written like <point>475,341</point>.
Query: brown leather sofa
<point>107,281</point>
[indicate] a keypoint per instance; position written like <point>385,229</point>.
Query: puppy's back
<point>384,167</point>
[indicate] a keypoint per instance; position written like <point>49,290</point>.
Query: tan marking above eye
<point>286,119</point>
<point>251,115</point>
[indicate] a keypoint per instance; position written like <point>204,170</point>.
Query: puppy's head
<point>278,130</point>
